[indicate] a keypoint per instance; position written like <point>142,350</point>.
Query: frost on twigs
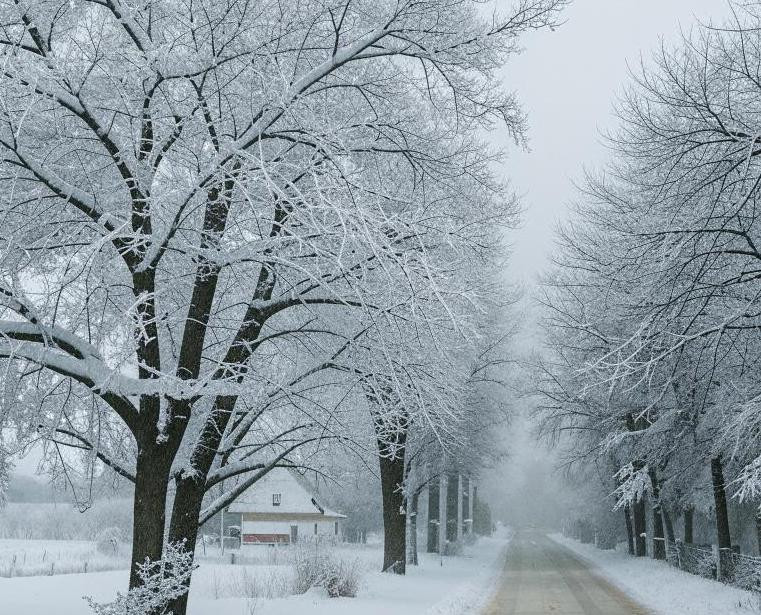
<point>161,582</point>
<point>632,484</point>
<point>316,568</point>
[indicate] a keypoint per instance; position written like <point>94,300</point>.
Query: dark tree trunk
<point>669,526</point>
<point>394,517</point>
<point>758,532</point>
<point>413,559</point>
<point>183,527</point>
<point>629,529</point>
<point>689,515</point>
<point>659,544</point>
<point>720,503</point>
<point>465,513</point>
<point>640,528</point>
<point>149,509</point>
<point>432,528</point>
<point>452,513</point>
<point>190,488</point>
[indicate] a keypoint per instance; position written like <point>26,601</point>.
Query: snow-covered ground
<point>51,557</point>
<point>450,586</point>
<point>662,588</point>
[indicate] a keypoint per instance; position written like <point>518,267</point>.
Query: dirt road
<point>543,578</point>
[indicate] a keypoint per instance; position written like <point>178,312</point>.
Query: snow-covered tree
<point>194,190</point>
<point>655,303</point>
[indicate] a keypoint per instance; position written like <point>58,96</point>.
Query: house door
<point>294,534</point>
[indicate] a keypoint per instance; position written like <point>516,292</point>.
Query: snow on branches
<point>161,583</point>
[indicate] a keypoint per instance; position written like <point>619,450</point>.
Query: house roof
<point>297,496</point>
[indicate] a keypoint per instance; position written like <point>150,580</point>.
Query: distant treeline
<point>23,488</point>
<point>49,521</point>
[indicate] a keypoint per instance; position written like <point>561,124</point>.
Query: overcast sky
<point>567,81</point>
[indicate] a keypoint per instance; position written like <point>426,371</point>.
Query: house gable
<point>279,492</point>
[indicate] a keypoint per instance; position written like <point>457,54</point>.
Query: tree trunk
<point>720,503</point>
<point>640,528</point>
<point>758,532</point>
<point>443,492</point>
<point>432,528</point>
<point>183,526</point>
<point>460,502</point>
<point>413,558</point>
<point>689,514</point>
<point>190,489</point>
<point>629,529</point>
<point>394,517</point>
<point>149,509</point>
<point>453,517</point>
<point>659,544</point>
<point>669,526</point>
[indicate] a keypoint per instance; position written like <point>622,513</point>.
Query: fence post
<point>724,566</point>
<point>680,554</point>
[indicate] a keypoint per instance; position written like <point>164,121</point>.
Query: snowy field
<point>452,586</point>
<point>662,588</point>
<point>20,558</point>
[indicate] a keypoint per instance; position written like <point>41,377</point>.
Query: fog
<point>526,488</point>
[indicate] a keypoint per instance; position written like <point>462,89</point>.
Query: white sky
<point>567,81</point>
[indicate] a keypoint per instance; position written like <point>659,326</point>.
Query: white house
<point>282,508</point>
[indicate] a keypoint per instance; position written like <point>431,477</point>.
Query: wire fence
<point>744,571</point>
<point>725,565</point>
<point>695,559</point>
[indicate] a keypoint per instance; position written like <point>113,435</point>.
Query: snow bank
<point>662,588</point>
<point>439,586</point>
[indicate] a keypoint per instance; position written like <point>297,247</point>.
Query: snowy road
<point>543,577</point>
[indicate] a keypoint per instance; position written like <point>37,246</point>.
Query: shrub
<point>162,582</point>
<point>320,569</point>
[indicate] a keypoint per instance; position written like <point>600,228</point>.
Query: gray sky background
<point>567,81</point>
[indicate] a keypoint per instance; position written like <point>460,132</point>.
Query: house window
<point>315,529</point>
<point>276,499</point>
<point>335,528</point>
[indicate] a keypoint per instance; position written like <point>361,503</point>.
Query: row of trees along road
<point>227,222</point>
<point>653,305</point>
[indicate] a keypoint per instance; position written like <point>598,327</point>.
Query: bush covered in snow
<point>162,582</point>
<point>319,568</point>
